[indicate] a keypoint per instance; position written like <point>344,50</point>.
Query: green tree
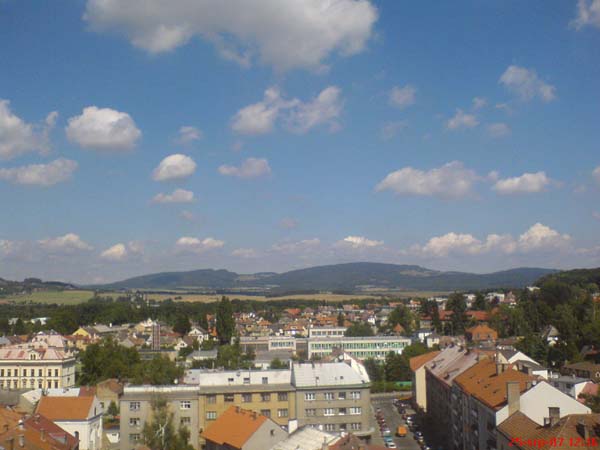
<point>479,304</point>
<point>4,326</point>
<point>113,409</point>
<point>182,325</point>
<point>160,433</point>
<point>374,369</point>
<point>397,368</point>
<point>359,329</point>
<point>225,321</point>
<point>401,315</point>
<point>457,304</point>
<point>276,363</point>
<point>107,359</point>
<point>19,327</point>
<point>340,319</point>
<point>158,371</point>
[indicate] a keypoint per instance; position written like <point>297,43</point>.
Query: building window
<point>355,426</point>
<point>40,373</point>
<point>330,427</point>
<point>134,437</point>
<point>355,395</point>
<point>55,372</point>
<point>329,395</point>
<point>211,415</point>
<point>328,411</point>
<point>310,412</point>
<point>265,397</point>
<point>266,412</point>
<point>246,380</point>
<point>265,380</point>
<point>230,380</point>
<point>282,396</point>
<point>342,411</point>
<point>228,398</point>
<point>134,421</point>
<point>211,399</point>
<point>342,395</point>
<point>355,410</point>
<point>134,406</point>
<point>246,398</point>
<point>185,404</point>
<point>282,412</point>
<point>185,421</point>
<point>309,396</point>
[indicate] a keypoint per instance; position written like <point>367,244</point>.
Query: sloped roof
<point>65,408</point>
<point>482,382</point>
<point>306,438</point>
<point>418,361</point>
<point>234,427</point>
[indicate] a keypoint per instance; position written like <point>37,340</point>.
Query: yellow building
<point>36,368</point>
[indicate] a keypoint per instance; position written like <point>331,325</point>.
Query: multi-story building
<point>36,367</point>
<point>333,396</point>
<point>136,405</point>
<point>361,348</point>
<point>417,367</point>
<point>318,332</point>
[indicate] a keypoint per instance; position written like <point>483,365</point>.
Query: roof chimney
<point>21,440</point>
<point>500,367</point>
<point>513,397</point>
<point>554,415</point>
<point>324,446</point>
<point>42,434</point>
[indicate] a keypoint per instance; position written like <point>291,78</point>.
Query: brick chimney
<point>513,397</point>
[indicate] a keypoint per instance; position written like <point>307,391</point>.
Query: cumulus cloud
<point>18,137</point>
<point>299,117</point>
<point>288,35</point>
<point>461,120</point>
<point>250,168</point>
<point>479,102</point>
<point>69,243</point>
<point>538,238</point>
<point>596,174</point>
<point>322,110</point>
<point>245,253</point>
<point>44,175</point>
<point>498,130</point>
<point>588,14</point>
<point>391,129</point>
<point>103,129</point>
<point>195,245</point>
<point>525,184</point>
<point>177,196</point>
<point>117,252</point>
<point>359,242</point>
<point>298,246</point>
<point>174,167</point>
<point>452,180</point>
<point>402,97</point>
<point>189,134</point>
<point>526,84</point>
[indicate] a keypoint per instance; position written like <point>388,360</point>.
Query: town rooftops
<point>43,425</point>
<point>451,362</point>
<point>574,426</point>
<point>46,354</point>
<point>483,382</point>
<point>327,374</point>
<point>67,408</point>
<point>234,427</point>
<point>419,361</point>
<point>306,438</point>
<point>584,366</point>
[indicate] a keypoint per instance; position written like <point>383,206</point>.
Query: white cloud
<point>117,252</point>
<point>250,168</point>
<point>479,102</point>
<point>588,14</point>
<point>45,175</point>
<point>305,245</point>
<point>596,215</point>
<point>538,238</point>
<point>402,97</point>
<point>286,35</point>
<point>322,110</point>
<point>195,245</point>
<point>461,120</point>
<point>18,137</point>
<point>358,242</point>
<point>452,180</point>
<point>174,167</point>
<point>525,184</point>
<point>526,84</point>
<point>542,237</point>
<point>596,174</point>
<point>245,253</point>
<point>498,130</point>
<point>391,129</point>
<point>288,223</point>
<point>300,117</point>
<point>177,196</point>
<point>189,134</point>
<point>103,129</point>
<point>68,243</point>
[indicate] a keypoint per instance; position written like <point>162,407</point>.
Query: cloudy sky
<point>260,135</point>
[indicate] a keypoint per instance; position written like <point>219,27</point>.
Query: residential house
<point>109,391</point>
<point>33,433</point>
<point>583,369</point>
<point>481,333</point>
<point>241,429</point>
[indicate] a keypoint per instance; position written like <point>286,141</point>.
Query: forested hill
<point>577,277</point>
<point>338,277</point>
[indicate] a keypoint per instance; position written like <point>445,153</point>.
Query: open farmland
<point>67,297</point>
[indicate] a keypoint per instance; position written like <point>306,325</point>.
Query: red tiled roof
<point>65,408</point>
<point>234,427</point>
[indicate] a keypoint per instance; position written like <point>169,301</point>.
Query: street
<point>393,420</point>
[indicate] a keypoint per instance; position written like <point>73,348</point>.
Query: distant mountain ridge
<point>359,276</point>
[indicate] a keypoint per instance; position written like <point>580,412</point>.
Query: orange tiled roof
<point>65,408</point>
<point>234,427</point>
<point>9,418</point>
<point>482,382</point>
<point>481,329</point>
<point>418,361</point>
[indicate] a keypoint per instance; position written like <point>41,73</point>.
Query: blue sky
<point>259,137</point>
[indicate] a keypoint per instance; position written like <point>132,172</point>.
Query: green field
<point>59,297</point>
